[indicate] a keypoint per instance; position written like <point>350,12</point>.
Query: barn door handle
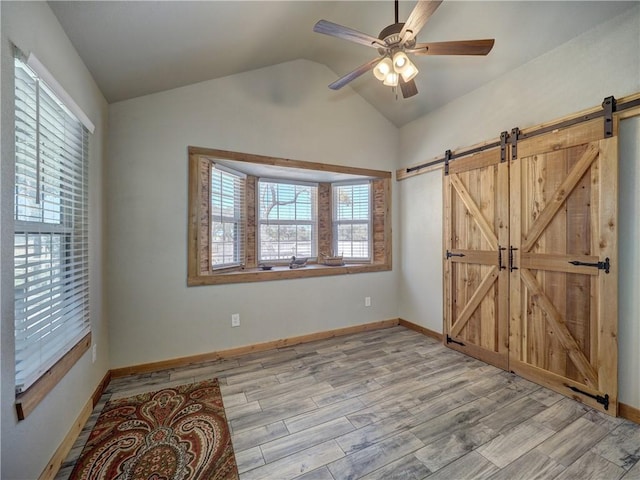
<point>599,265</point>
<point>511,250</point>
<point>450,254</point>
<point>500,265</point>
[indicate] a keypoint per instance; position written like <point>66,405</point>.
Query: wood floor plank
<point>351,390</point>
<point>453,446</point>
<point>621,446</point>
<point>464,416</point>
<point>405,468</point>
<point>287,445</point>
<point>394,404</point>
<point>560,414</point>
<point>267,416</point>
<point>295,465</point>
<point>534,464</point>
<point>292,392</point>
<point>514,443</point>
<point>371,458</point>
<point>566,446</point>
<point>592,466</point>
<point>318,416</point>
<point>510,415</point>
<point>633,473</point>
<point>321,473</point>
<point>259,435</point>
<point>471,466</point>
<point>249,459</point>
<point>371,434</point>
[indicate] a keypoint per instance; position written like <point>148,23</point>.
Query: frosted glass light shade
<point>409,72</point>
<point>391,80</point>
<point>400,60</point>
<point>382,69</point>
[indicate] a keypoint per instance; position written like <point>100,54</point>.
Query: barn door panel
<point>476,235</point>
<point>563,280</point>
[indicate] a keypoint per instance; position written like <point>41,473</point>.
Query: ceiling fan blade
<point>460,47</point>
<point>341,82</point>
<point>346,33</point>
<point>418,17</point>
<point>409,88</point>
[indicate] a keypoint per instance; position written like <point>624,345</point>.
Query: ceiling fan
<point>393,66</point>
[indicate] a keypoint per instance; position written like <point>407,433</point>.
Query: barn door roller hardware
<point>504,136</point>
<point>602,400</point>
<point>451,254</point>
<point>447,159</point>
<point>451,340</point>
<point>609,106</point>
<point>599,265</point>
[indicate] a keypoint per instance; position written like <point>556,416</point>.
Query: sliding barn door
<point>563,280</point>
<point>476,204</point>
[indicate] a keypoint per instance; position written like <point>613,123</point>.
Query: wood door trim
<point>557,325</point>
<point>475,212</point>
<point>560,196</point>
<point>475,300</point>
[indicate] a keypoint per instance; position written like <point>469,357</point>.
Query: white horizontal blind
<point>288,219</point>
<point>352,221</point>
<point>51,250</point>
<point>227,217</point>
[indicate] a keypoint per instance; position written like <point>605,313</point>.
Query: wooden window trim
<point>198,270</point>
<point>28,400</point>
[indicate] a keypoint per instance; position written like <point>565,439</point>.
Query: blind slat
<point>352,232</point>
<point>51,229</point>
<point>227,217</point>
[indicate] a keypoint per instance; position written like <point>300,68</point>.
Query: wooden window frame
<point>199,271</point>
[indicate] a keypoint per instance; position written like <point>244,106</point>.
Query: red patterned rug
<point>177,433</point>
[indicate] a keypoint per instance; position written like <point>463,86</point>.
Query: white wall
<point>575,76</point>
<point>284,110</point>
<point>28,445</point>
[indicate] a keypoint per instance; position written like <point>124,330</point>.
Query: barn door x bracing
<point>476,237</point>
<point>556,278</point>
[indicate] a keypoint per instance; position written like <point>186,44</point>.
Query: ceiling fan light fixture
<point>400,61</point>
<point>391,80</point>
<point>409,72</point>
<point>382,69</point>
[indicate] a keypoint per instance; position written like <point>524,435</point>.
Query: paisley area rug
<point>177,433</point>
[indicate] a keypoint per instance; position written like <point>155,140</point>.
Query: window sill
<point>284,273</point>
<point>27,401</point>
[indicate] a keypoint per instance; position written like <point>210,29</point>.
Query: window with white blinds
<point>51,251</point>
<point>227,217</point>
<point>287,217</point>
<point>352,220</point>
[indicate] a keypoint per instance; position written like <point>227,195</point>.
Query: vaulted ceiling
<point>137,48</point>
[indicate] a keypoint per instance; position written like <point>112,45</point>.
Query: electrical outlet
<point>367,301</point>
<point>235,320</point>
<point>94,353</point>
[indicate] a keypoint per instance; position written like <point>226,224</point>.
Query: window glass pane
<point>227,218</point>
<point>287,217</point>
<point>352,217</point>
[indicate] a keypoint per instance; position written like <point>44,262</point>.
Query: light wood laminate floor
<point>394,404</point>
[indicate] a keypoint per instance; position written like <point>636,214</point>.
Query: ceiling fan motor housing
<point>391,36</point>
